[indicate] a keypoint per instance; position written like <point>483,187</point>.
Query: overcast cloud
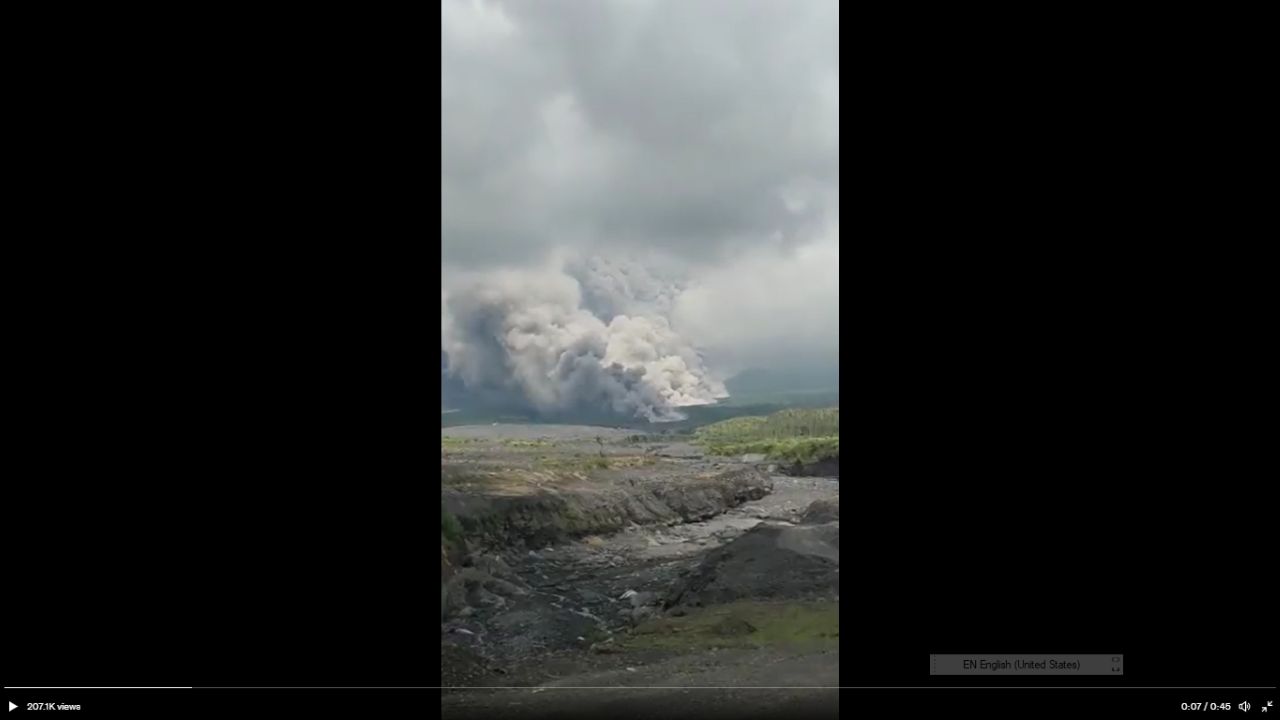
<point>676,161</point>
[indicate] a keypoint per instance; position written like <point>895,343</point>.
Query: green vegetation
<point>789,451</point>
<point>450,528</point>
<point>597,463</point>
<point>528,443</point>
<point>448,441</point>
<point>577,463</point>
<point>746,624</point>
<point>790,436</point>
<point>734,430</point>
<point>796,422</point>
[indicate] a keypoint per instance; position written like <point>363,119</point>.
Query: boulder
<point>767,562</point>
<point>821,511</point>
<point>640,614</point>
<point>641,599</point>
<point>480,597</point>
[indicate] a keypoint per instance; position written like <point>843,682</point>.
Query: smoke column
<point>531,334</point>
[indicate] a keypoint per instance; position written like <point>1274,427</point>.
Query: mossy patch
<point>450,528</point>
<point>747,624</point>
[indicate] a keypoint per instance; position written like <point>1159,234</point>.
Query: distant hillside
<point>824,422</point>
<point>794,436</point>
<point>811,387</point>
<point>769,380</point>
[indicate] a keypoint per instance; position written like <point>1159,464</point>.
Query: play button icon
<point>11,706</point>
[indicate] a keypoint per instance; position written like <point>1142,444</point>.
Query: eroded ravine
<point>547,615</point>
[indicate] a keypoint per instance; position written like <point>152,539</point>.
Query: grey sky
<point>699,137</point>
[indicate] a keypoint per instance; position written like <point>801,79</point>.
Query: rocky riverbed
<point>675,572</point>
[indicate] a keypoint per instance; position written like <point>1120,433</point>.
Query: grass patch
<point>577,463</point>
<point>789,451</point>
<point>793,423</point>
<point>747,624</point>
<point>789,436</point>
<point>588,463</point>
<point>450,528</point>
<point>733,430</point>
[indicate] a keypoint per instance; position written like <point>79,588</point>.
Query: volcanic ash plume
<point>527,333</point>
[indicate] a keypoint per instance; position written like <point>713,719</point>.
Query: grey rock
<point>502,587</point>
<point>455,598</point>
<point>641,613</point>
<point>767,562</point>
<point>821,511</point>
<point>480,597</point>
<point>641,599</point>
<point>493,565</point>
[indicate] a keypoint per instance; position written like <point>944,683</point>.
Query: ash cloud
<point>529,335</point>
<point>638,197</point>
<point>689,127</point>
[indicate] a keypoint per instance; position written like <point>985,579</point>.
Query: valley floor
<point>672,617</point>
